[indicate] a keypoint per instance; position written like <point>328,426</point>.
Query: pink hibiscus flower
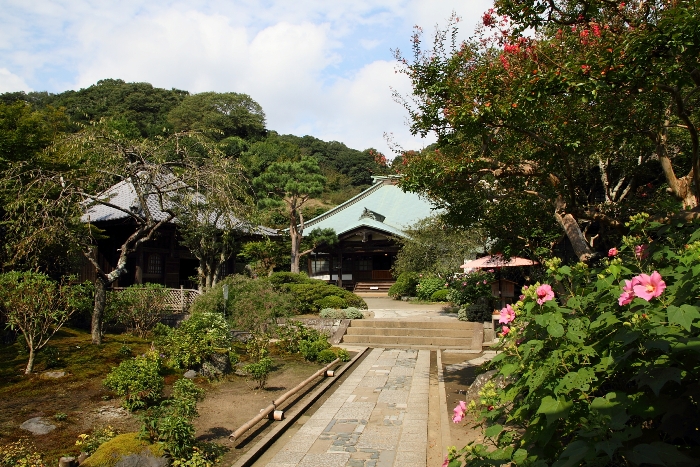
<point>544,293</point>
<point>505,330</point>
<point>627,294</point>
<point>648,287</point>
<point>459,412</point>
<point>640,251</point>
<point>612,252</point>
<point>507,315</point>
<point>447,462</point>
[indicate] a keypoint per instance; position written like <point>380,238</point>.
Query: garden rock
<point>53,374</point>
<point>38,426</point>
<point>110,412</point>
<point>190,374</point>
<point>210,371</point>
<point>145,459</point>
<point>221,362</point>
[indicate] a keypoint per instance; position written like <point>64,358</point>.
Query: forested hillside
<point>29,122</point>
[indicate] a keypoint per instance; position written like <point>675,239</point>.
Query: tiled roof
<point>123,195</point>
<point>383,199</point>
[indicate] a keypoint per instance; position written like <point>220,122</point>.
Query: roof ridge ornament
<point>366,213</point>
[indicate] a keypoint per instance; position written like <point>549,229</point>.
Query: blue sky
<point>318,67</point>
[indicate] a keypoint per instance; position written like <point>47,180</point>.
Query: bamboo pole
<point>270,408</point>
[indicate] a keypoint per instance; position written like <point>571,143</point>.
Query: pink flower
<point>640,251</point>
<point>459,412</point>
<point>505,330</point>
<point>447,462</point>
<point>507,315</point>
<point>627,294</point>
<point>521,298</point>
<point>525,287</point>
<point>485,282</point>
<point>544,293</point>
<point>648,287</point>
<point>612,252</point>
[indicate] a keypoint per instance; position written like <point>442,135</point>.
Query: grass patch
<point>77,356</point>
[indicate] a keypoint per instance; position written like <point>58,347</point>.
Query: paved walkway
<point>378,417</point>
<point>386,307</point>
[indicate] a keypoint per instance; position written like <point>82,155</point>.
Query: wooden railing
<point>176,300</point>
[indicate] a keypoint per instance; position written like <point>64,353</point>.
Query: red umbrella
<point>496,261</point>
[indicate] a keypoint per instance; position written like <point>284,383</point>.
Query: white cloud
<point>10,82</point>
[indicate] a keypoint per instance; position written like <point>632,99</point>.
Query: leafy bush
<point>605,371</point>
<point>291,334</point>
<point>88,443</point>
<point>138,380</point>
<point>279,278</point>
<point>252,303</point>
<point>20,453</point>
<point>331,313</point>
<point>428,285</point>
<point>468,288</point>
<point>331,301</point>
<point>259,370</point>
<point>311,348</point>
<point>440,295</point>
<point>343,355</point>
<point>171,422</point>
<point>326,356</point>
<point>138,307</point>
<point>309,293</point>
<point>405,285</point>
<point>353,313</point>
<point>195,340</point>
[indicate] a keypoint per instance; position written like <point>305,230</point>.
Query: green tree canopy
<point>221,114</point>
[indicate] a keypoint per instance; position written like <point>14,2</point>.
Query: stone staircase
<point>379,287</point>
<point>389,333</point>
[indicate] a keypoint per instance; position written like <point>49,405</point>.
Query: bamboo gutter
<point>325,371</point>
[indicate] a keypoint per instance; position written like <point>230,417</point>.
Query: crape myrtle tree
<point>568,121</point>
<point>215,208</point>
<point>52,204</point>
<point>291,184</point>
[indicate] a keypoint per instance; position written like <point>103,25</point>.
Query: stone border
<point>292,416</point>
<point>445,439</point>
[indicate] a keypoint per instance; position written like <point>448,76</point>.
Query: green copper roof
<point>383,206</point>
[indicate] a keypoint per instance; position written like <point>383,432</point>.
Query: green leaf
<point>493,431</point>
<point>609,446</point>
<point>573,454</point>
<point>519,456</point>
<point>509,368</point>
<point>657,377</point>
<point>683,315</point>
<point>554,409</point>
<point>555,330</point>
<point>658,454</point>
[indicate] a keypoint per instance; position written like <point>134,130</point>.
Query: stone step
<point>372,331</point>
<point>394,323</point>
<point>378,287</point>
<point>379,341</point>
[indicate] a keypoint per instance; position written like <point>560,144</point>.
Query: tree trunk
<point>296,244</point>
<point>98,310</point>
<point>30,363</point>
<point>575,236</point>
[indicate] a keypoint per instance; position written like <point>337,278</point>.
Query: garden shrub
<point>137,380</point>
<point>343,355</point>
<point>89,442</point>
<point>428,285</point>
<point>259,371</point>
<point>294,332</point>
<point>138,307</point>
<point>440,295</point>
<point>353,313</point>
<point>405,285</point>
<point>21,453</point>
<point>310,349</point>
<point>109,453</point>
<point>171,422</point>
<point>195,340</point>
<point>326,356</point>
<point>309,293</point>
<point>605,370</point>
<point>251,305</point>
<point>331,301</point>
<point>469,288</point>
<point>279,278</point>
<point>331,313</point>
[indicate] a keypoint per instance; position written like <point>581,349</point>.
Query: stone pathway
<point>378,417</point>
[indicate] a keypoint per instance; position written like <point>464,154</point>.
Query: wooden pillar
<point>138,277</point>
<point>340,268</point>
